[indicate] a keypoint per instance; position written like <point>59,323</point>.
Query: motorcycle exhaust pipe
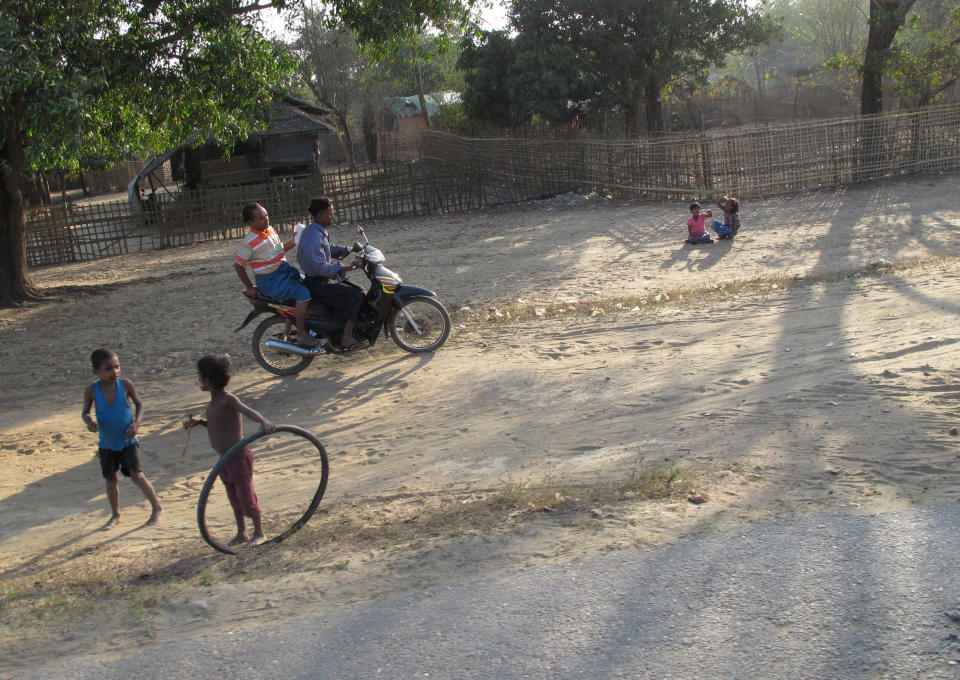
<point>294,349</point>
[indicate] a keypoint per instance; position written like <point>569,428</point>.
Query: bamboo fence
<point>751,163</point>
<point>73,233</point>
<point>454,174</point>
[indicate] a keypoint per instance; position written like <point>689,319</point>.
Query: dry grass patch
<point>61,598</point>
<point>598,303</point>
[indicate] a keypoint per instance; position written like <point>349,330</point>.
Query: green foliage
<point>507,85</point>
<point>887,17</point>
<point>389,23</point>
<point>351,80</point>
<point>821,29</point>
<point>87,78</point>
<point>633,49</point>
<point>329,61</point>
<point>453,118</point>
<point>486,62</point>
<point>925,58</point>
<point>547,84</point>
<point>436,58</point>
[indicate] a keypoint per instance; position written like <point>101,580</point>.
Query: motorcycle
<point>412,316</point>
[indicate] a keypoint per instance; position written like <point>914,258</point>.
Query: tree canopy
<point>625,52</point>
<point>925,58</point>
<point>386,22</point>
<point>507,85</point>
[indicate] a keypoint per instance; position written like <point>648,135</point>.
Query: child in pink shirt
<point>696,232</point>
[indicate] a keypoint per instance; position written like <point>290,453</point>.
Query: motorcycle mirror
<point>363,234</point>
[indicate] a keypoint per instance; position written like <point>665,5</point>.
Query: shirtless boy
<point>225,428</point>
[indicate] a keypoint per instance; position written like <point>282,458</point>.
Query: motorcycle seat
<point>316,308</point>
<point>260,297</point>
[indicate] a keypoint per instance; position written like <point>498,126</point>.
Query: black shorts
<point>126,461</point>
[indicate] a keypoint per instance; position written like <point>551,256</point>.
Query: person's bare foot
<point>238,539</point>
<point>257,539</point>
<point>154,517</point>
<point>112,522</point>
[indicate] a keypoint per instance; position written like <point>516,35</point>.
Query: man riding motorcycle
<point>324,274</point>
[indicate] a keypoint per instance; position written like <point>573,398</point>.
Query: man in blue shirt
<point>320,261</point>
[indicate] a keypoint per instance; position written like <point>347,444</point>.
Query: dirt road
<point>808,365</point>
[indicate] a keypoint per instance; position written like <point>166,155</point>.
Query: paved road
<point>822,596</point>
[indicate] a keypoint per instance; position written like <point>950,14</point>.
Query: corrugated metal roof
<point>406,107</point>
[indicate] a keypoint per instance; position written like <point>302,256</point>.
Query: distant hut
<point>294,144</point>
<point>402,117</point>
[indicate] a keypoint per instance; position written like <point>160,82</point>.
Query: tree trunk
<point>15,285</point>
<point>423,97</point>
<point>651,92</point>
<point>369,126</point>
<point>886,18</point>
<point>631,120</point>
<point>346,138</point>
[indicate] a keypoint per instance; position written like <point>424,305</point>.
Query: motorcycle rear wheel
<point>421,325</point>
<point>277,361</point>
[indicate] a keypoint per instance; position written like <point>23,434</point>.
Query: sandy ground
<point>834,393</point>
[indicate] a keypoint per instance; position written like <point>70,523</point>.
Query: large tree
<point>887,17</point>
<point>86,78</point>
<point>635,48</point>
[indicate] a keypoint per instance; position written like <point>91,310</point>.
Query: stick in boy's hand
<point>188,425</point>
<point>186,443</point>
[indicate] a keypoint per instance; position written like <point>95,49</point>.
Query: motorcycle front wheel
<point>421,325</point>
<point>276,360</point>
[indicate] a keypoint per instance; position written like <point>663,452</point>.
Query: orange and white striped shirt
<point>262,250</point>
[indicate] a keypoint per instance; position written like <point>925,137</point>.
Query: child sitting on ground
<point>696,233</point>
<point>225,428</point>
<point>731,218</point>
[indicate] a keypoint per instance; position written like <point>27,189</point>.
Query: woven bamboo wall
<point>454,174</point>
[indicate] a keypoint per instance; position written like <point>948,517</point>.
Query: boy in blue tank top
<point>117,426</point>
